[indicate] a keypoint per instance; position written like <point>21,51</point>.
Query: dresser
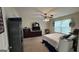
<point>28,34</point>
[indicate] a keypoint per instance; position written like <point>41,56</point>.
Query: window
<point>62,26</point>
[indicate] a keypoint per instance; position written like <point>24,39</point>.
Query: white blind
<point>62,26</point>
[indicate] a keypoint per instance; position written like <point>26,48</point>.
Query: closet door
<point>15,34</point>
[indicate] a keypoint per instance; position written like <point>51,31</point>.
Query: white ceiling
<point>38,11</point>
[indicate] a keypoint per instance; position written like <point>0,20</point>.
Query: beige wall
<point>28,20</point>
<point>3,36</point>
<point>10,12</point>
<point>74,17</point>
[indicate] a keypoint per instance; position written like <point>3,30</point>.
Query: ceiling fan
<point>46,15</point>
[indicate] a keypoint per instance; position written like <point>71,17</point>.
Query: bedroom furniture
<point>49,46</point>
<point>75,41</point>
<point>65,45</point>
<point>78,44</point>
<point>35,26</point>
<point>28,33</point>
<point>78,40</point>
<point>74,37</point>
<point>26,30</point>
<point>34,32</point>
<point>15,34</point>
<point>52,40</point>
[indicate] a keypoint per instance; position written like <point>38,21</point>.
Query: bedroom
<point>48,20</point>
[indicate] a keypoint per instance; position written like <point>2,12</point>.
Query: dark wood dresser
<point>28,34</point>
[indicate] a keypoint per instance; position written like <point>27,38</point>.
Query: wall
<point>74,17</point>
<point>10,12</point>
<point>7,12</point>
<point>27,20</point>
<point>3,36</point>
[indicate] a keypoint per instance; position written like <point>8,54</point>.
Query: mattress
<point>53,39</point>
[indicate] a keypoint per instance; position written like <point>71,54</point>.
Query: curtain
<point>62,26</point>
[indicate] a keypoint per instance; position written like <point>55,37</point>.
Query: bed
<point>52,40</point>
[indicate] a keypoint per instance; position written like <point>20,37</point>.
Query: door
<point>15,34</point>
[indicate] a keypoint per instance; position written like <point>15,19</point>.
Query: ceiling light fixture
<point>46,20</point>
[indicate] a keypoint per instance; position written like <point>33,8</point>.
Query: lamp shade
<point>72,24</point>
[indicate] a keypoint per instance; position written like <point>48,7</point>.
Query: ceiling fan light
<point>46,20</point>
<point>51,15</point>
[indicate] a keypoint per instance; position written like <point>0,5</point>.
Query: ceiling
<point>55,11</point>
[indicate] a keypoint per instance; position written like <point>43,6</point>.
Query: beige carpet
<point>34,45</point>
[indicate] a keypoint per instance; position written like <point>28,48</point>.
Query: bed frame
<point>50,47</point>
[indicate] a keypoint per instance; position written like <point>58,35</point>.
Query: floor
<point>34,45</point>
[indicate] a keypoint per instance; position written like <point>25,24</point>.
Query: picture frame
<point>1,22</point>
